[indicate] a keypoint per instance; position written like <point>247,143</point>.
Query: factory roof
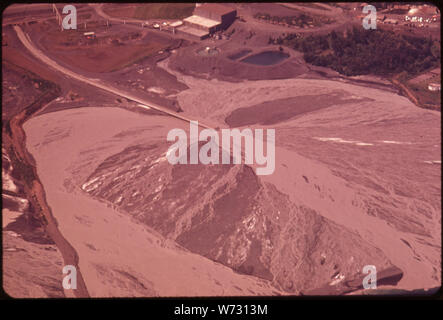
<point>422,11</point>
<point>202,21</point>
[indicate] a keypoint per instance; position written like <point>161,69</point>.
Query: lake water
<point>266,58</point>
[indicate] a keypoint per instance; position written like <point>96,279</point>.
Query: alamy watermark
<point>370,281</point>
<point>209,153</point>
<point>70,280</point>
<point>70,20</point>
<point>370,21</point>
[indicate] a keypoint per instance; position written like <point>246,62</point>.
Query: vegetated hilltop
<point>145,11</point>
<point>299,20</point>
<point>359,51</point>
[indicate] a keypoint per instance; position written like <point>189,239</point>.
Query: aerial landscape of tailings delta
<point>86,181</point>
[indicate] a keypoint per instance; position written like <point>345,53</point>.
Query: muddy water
<point>266,58</point>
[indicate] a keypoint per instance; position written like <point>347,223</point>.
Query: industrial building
<point>208,18</point>
<point>218,12</point>
<point>434,87</point>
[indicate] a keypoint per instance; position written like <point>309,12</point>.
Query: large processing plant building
<point>208,18</point>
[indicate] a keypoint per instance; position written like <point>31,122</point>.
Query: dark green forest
<point>359,51</point>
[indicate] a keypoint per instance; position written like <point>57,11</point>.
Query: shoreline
<point>36,192</point>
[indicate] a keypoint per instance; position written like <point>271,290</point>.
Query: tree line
<point>358,51</point>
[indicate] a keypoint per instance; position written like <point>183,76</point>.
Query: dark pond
<point>266,58</point>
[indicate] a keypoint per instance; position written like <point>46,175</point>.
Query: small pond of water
<point>266,58</point>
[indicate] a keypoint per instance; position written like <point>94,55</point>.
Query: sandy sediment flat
<point>118,257</point>
<point>367,157</point>
<point>339,161</point>
<point>39,277</point>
